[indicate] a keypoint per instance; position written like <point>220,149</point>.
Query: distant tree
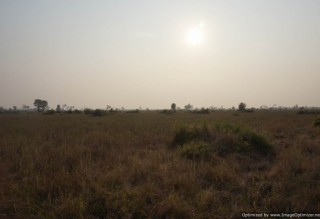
<point>40,104</point>
<point>173,107</point>
<point>188,107</point>
<point>15,108</point>
<point>58,109</point>
<point>108,107</point>
<point>64,107</point>
<point>44,105</point>
<point>37,103</point>
<point>263,107</point>
<point>25,107</point>
<point>242,106</point>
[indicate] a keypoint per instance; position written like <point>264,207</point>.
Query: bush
<point>133,111</point>
<point>248,111</point>
<point>49,112</point>
<point>226,139</point>
<point>88,111</point>
<point>168,112</point>
<point>196,150</point>
<point>316,123</point>
<point>309,111</point>
<point>98,112</point>
<point>187,135</point>
<point>226,143</point>
<point>222,127</point>
<point>201,111</point>
<point>231,138</point>
<point>251,141</point>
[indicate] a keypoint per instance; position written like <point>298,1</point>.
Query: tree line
<point>42,106</point>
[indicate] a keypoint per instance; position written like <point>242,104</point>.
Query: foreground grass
<point>124,166</point>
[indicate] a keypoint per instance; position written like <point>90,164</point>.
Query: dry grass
<point>122,166</point>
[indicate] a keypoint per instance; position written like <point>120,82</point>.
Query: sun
<point>195,36</point>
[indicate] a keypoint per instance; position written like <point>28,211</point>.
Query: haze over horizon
<point>153,53</point>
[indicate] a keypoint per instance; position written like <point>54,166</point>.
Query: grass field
<point>152,165</point>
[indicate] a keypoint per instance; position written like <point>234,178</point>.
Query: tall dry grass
<point>122,166</point>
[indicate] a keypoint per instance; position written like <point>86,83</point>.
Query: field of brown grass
<point>128,165</point>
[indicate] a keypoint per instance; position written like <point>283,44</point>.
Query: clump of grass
<point>253,141</point>
<point>173,207</point>
<point>186,135</point>
<point>231,138</point>
<point>226,139</point>
<point>196,150</point>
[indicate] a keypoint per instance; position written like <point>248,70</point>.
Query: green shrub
<point>195,150</point>
<point>231,138</point>
<point>225,139</point>
<point>316,123</point>
<point>186,135</point>
<point>251,141</point>
<point>226,143</point>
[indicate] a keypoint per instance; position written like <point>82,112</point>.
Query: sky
<point>151,53</point>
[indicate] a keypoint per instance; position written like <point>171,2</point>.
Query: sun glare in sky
<point>195,35</point>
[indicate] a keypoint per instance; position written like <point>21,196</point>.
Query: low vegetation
<point>223,139</point>
<point>150,165</point>
<point>309,111</point>
<point>98,112</point>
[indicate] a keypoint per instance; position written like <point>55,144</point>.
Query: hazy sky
<point>129,53</point>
